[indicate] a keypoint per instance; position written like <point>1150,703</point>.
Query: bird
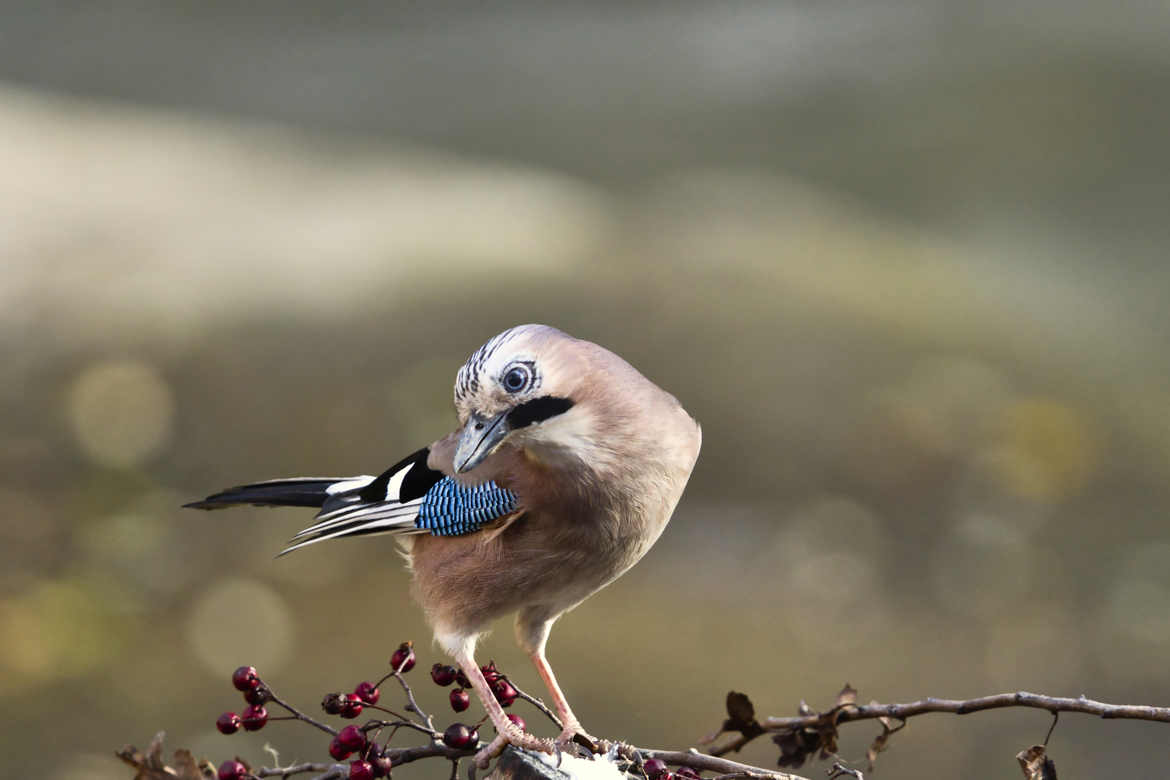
<point>566,466</point>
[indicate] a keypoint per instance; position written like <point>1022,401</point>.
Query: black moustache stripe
<point>537,410</point>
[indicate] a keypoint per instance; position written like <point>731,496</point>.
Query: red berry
<point>254,718</point>
<point>460,699</point>
<point>257,695</point>
<point>403,658</point>
<point>504,691</point>
<point>443,675</point>
<point>338,750</point>
<point>490,672</point>
<point>518,721</point>
<point>232,770</point>
<point>654,768</point>
<point>361,770</point>
<point>460,736</point>
<point>332,703</point>
<point>352,738</point>
<point>228,723</point>
<point>351,705</point>
<point>245,678</point>
<point>382,765</point>
<point>367,692</point>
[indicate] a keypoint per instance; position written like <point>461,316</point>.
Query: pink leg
<point>571,726</point>
<point>507,733</point>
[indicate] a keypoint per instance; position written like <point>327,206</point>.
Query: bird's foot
<point>573,733</point>
<point>511,735</point>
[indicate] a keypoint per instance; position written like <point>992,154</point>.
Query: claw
<point>513,736</point>
<point>574,734</point>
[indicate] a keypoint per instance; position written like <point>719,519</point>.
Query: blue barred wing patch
<point>452,509</point>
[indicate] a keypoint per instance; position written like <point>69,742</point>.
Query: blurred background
<point>905,261</point>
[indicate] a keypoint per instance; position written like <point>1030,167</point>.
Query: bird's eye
<point>516,379</point>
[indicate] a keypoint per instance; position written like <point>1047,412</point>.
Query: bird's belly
<point>463,583</point>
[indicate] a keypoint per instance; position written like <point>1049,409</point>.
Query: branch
<point>808,733</point>
<point>1053,704</point>
<point>397,755</point>
<point>711,763</point>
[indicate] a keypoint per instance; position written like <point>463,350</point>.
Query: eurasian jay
<point>564,471</point>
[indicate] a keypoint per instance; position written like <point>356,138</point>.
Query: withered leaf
<point>741,716</point>
<point>797,745</point>
<point>189,769</point>
<point>154,759</point>
<point>150,765</point>
<point>740,707</point>
<point>880,743</point>
<point>1035,763</point>
<point>828,743</point>
<point>848,695</point>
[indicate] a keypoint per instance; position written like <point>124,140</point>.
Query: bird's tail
<point>298,491</point>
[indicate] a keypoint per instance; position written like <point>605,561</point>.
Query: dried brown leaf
<point>848,695</point>
<point>1035,763</point>
<point>154,759</point>
<point>796,746</point>
<point>741,716</point>
<point>880,743</point>
<point>189,769</point>
<point>740,707</point>
<point>150,765</point>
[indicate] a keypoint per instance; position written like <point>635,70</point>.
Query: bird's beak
<point>479,438</point>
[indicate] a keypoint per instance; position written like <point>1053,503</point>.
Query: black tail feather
<point>303,491</point>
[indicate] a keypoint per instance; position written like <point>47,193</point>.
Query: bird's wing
<point>410,497</point>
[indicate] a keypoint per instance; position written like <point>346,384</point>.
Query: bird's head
<point>521,387</point>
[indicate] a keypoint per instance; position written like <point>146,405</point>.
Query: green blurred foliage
<point>905,262</point>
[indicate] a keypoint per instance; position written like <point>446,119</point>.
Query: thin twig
<point>840,770</point>
<point>1052,728</point>
<point>302,716</point>
<point>396,724</point>
<point>295,769</point>
<point>703,761</point>
<point>412,705</point>
<point>535,702</point>
<point>419,752</point>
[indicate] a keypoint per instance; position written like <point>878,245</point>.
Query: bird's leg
<point>507,732</point>
<point>571,727</point>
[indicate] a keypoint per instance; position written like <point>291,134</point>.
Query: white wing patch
<point>395,484</point>
<point>349,484</point>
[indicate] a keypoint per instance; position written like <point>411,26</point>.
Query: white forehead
<point>519,343</point>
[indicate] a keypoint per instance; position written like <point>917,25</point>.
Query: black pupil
<point>514,379</point>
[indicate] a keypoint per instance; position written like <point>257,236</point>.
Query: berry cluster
<point>371,761</point>
<point>460,699</point>
<point>256,694</point>
<point>656,769</point>
<point>360,744</point>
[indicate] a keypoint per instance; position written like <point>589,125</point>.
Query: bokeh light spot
<point>240,622</point>
<point>1047,449</point>
<point>58,629</point>
<point>121,412</point>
